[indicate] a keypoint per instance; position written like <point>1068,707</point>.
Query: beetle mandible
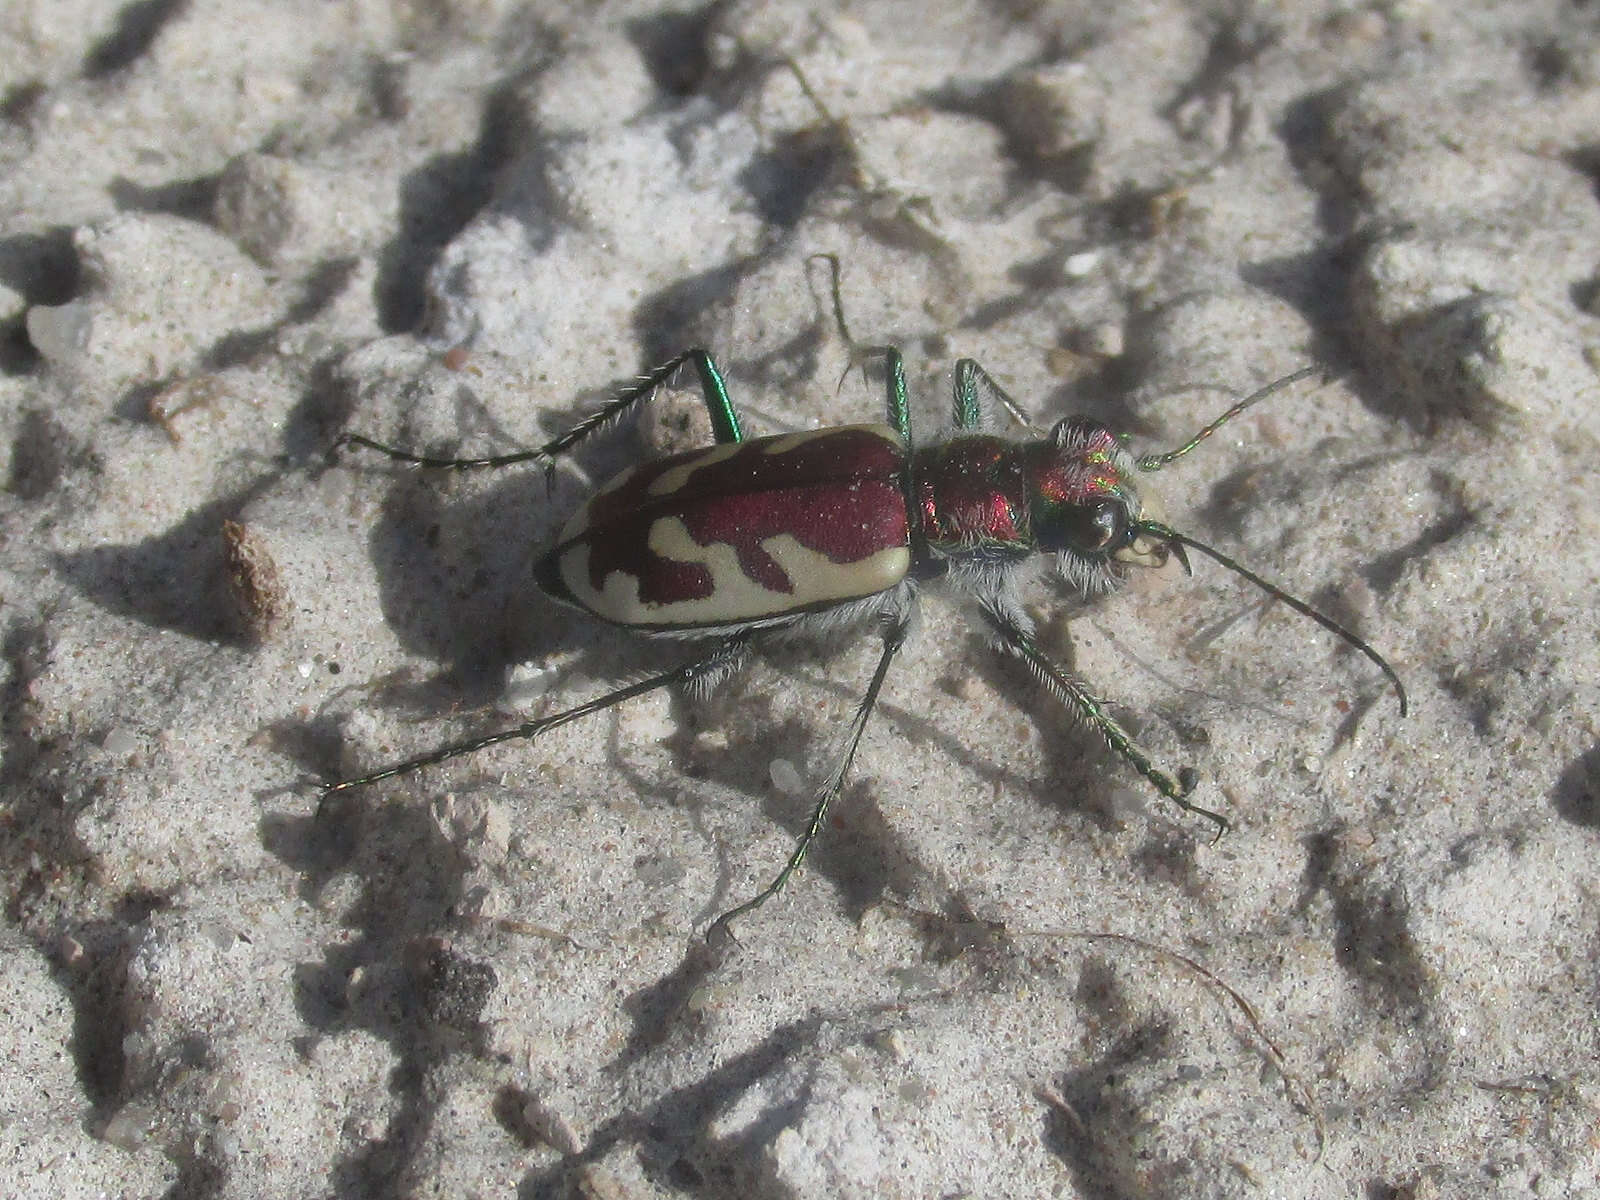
<point>798,530</point>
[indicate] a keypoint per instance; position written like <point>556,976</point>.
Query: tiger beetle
<point>837,526</point>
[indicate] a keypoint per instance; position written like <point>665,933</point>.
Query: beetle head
<point>1087,510</point>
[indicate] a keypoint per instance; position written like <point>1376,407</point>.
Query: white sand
<point>264,223</point>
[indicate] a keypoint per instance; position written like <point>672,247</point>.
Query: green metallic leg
<point>725,658</point>
<point>894,636</point>
<point>1077,698</point>
<point>725,425</point>
<point>897,398</point>
<point>724,419</point>
<point>897,406</point>
<point>898,401</point>
<point>976,394</point>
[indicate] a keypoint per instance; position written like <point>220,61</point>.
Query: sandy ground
<point>231,230</point>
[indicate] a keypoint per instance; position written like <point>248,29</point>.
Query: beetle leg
<point>725,425</point>
<point>897,396</point>
<point>976,397</point>
<point>726,657</point>
<point>894,636</point>
<point>724,419</point>
<point>897,399</point>
<point>1016,638</point>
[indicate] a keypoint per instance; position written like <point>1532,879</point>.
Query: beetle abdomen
<point>740,532</point>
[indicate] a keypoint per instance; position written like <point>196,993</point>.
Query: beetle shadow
<point>1577,792</point>
<point>918,729</point>
<point>390,969</point>
<point>858,852</point>
<point>454,572</point>
<point>871,859</point>
<point>860,863</point>
<point>1089,1127</point>
<point>453,562</point>
<point>1077,773</point>
<point>672,1131</point>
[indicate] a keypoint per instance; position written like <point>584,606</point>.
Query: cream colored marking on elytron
<point>670,481</point>
<point>735,596</point>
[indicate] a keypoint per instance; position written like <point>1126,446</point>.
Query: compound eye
<point>1101,527</point>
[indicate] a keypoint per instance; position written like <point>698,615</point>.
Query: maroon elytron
<point>843,525</point>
